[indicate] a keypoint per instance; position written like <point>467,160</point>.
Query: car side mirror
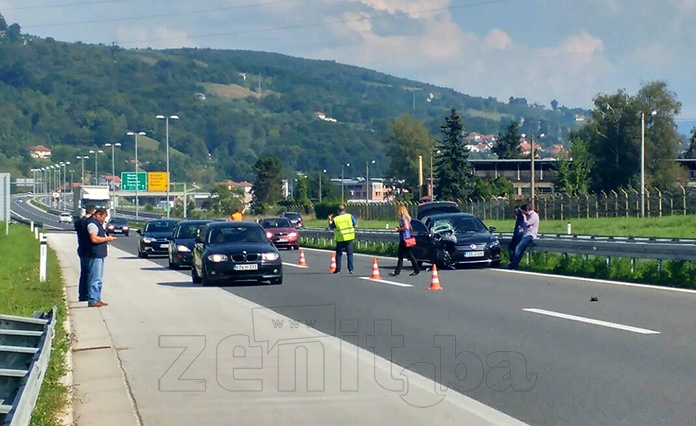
<point>492,228</point>
<point>139,231</point>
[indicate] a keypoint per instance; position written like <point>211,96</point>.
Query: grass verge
<point>21,293</point>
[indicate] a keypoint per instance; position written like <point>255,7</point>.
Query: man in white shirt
<point>529,234</point>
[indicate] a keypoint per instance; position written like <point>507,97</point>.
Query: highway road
<point>529,345</point>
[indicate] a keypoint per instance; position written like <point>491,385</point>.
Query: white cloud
<point>498,39</point>
<point>158,37</point>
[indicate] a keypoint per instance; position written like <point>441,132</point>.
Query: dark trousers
<point>513,244</point>
<point>402,253</point>
<point>346,246</point>
<point>519,251</point>
<point>83,284</point>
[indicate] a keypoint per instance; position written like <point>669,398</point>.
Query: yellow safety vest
<point>345,231</point>
<point>237,216</point>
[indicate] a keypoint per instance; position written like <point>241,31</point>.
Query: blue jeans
<point>519,251</point>
<point>346,246</point>
<point>96,277</point>
<point>83,284</point>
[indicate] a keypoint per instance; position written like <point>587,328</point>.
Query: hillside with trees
<point>235,107</point>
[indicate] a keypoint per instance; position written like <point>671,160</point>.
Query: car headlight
<point>270,256</point>
<point>217,258</point>
<point>495,243</point>
<point>269,235</point>
<point>292,234</point>
<point>147,240</point>
<point>111,226</point>
<point>182,248</point>
<point>125,228</point>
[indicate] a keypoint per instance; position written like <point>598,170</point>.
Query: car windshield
<point>276,223</point>
<point>458,225</point>
<point>118,221</point>
<point>236,234</point>
<point>160,226</point>
<point>189,231</point>
<point>293,216</point>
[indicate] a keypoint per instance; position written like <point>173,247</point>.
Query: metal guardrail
<point>24,221</point>
<point>25,349</point>
<point>622,247</point>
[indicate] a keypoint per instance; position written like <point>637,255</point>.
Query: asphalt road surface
<point>531,346</point>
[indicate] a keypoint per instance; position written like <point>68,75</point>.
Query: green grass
<point>487,114</point>
<point>666,227</point>
<point>21,293</point>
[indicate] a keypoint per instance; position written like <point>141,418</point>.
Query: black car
<point>452,239</point>
<point>181,244</point>
<point>295,219</point>
<point>118,225</point>
<point>430,208</point>
<point>225,252</point>
<point>155,236</point>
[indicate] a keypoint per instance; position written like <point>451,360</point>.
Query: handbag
<point>410,242</point>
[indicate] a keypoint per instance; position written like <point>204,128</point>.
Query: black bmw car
<point>181,244</point>
<point>118,225</point>
<point>225,252</point>
<point>155,236</point>
<point>452,239</point>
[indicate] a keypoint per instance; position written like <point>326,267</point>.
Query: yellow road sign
<point>157,181</point>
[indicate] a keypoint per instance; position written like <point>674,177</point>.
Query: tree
<point>453,168</point>
<point>508,144</point>
<point>613,137</point>
<point>406,139</point>
<point>574,168</point>
<point>300,194</point>
<point>554,105</point>
<point>267,189</point>
<point>691,150</point>
<point>224,201</point>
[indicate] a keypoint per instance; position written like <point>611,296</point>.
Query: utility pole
<point>533,153</point>
<point>420,177</point>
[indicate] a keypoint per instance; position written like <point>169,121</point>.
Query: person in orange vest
<point>237,215</point>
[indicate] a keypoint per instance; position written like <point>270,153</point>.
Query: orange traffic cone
<point>435,280</point>
<point>375,271</point>
<point>332,267</point>
<point>303,262</point>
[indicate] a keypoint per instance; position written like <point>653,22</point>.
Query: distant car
<point>280,232</point>
<point>430,208</point>
<point>452,239</point>
<point>155,236</point>
<point>118,225</point>
<point>65,218</point>
<point>181,244</point>
<point>225,252</point>
<point>295,219</point>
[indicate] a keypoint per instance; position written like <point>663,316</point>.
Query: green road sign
<point>129,179</point>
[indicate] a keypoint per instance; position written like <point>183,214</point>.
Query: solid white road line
<point>295,266</point>
<point>387,282</point>
<point>592,321</point>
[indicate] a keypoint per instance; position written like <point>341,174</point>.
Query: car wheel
<point>277,281</point>
<point>194,276</point>
<point>144,256</point>
<point>297,247</point>
<point>173,265</point>
<point>127,234</point>
<point>495,264</point>
<point>205,279</point>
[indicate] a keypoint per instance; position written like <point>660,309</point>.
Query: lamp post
<point>83,158</point>
<point>113,173</point>
<point>367,179</point>
<point>321,175</point>
<point>343,182</point>
<point>137,201</point>
<point>642,161</point>
<point>96,167</point>
<point>72,181</point>
<point>166,121</point>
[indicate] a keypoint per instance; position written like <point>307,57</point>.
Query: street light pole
<point>321,175</point>
<point>642,162</point>
<point>137,200</point>
<point>531,189</point>
<point>82,177</point>
<point>113,173</point>
<point>367,180</point>
<point>166,120</point>
<point>343,183</point>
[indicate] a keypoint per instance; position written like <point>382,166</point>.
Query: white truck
<point>84,196</point>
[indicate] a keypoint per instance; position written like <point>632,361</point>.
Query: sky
<point>567,50</point>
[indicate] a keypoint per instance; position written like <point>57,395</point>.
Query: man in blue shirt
<point>99,243</point>
<point>517,232</point>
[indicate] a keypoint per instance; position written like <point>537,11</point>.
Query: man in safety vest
<point>344,225</point>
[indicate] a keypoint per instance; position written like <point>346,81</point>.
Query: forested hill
<point>233,106</point>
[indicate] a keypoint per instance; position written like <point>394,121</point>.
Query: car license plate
<point>249,267</point>
<point>282,240</point>
<point>473,254</point>
<point>164,245</point>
